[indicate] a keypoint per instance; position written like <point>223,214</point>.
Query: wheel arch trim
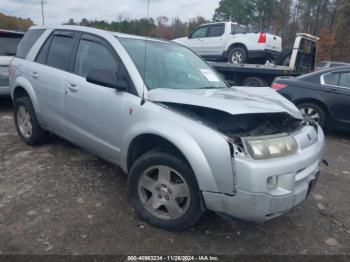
<point>180,139</point>
<point>312,100</point>
<point>25,84</point>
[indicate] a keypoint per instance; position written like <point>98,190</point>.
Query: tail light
<point>278,86</point>
<point>10,69</point>
<point>262,38</point>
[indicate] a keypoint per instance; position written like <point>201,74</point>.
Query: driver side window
<point>93,55</point>
<point>200,32</point>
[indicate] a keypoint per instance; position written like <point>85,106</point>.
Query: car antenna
<point>144,61</point>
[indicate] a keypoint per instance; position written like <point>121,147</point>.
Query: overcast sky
<point>59,11</point>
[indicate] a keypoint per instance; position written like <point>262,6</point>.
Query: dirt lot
<point>58,199</point>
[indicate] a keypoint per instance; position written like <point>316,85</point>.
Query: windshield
<point>169,65</point>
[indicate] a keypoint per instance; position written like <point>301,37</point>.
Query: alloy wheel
<point>237,57</point>
<point>24,121</point>
<point>163,192</point>
<point>311,114</point>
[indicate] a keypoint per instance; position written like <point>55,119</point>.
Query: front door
<point>214,42</point>
<point>196,40</point>
<point>92,113</point>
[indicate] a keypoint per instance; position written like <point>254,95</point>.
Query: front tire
<point>254,82</point>
<point>164,191</point>
<point>27,125</point>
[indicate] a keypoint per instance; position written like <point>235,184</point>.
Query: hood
<point>234,100</point>
<point>180,40</point>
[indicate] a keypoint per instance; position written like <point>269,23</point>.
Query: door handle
<point>34,75</point>
<point>73,87</point>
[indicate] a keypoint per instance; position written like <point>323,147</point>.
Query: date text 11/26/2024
<point>173,258</point>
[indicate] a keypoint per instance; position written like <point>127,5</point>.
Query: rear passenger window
<point>344,80</point>
<point>331,79</point>
<point>28,41</point>
<point>92,55</point>
<point>238,29</point>
<point>216,30</point>
<point>60,50</point>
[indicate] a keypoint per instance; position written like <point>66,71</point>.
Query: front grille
<point>4,81</point>
<point>4,72</point>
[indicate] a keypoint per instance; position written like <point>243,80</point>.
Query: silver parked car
<point>187,141</point>
<point>9,41</point>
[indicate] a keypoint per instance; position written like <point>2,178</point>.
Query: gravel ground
<point>58,199</point>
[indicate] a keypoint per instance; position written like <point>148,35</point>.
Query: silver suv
<point>187,141</point>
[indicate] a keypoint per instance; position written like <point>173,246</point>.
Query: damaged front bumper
<point>253,200</point>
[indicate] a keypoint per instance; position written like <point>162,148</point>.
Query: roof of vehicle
<point>324,71</point>
<point>314,76</point>
<point>96,31</point>
<point>338,62</point>
<point>217,23</point>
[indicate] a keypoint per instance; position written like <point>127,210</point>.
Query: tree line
<point>14,23</point>
<point>161,27</point>
<point>328,19</point>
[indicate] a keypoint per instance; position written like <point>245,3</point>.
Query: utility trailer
<point>291,62</point>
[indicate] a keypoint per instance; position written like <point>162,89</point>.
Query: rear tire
<point>171,202</point>
<point>26,123</point>
<point>237,55</point>
<point>312,111</point>
<point>254,82</point>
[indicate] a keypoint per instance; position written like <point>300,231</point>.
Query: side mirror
<point>107,78</point>
<point>190,35</point>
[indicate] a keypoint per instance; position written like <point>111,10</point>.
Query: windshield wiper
<point>211,87</point>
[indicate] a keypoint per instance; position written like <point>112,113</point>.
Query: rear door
<point>196,39</point>
<point>214,41</point>
<point>92,113</point>
<point>337,87</point>
<point>48,73</point>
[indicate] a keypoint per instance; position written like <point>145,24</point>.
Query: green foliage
<point>240,11</point>
<point>342,35</point>
<point>257,13</point>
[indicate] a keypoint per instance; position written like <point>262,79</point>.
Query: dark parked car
<point>323,96</point>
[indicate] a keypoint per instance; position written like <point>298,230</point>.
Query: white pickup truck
<point>232,42</point>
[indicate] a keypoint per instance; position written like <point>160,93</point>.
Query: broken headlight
<point>267,148</point>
